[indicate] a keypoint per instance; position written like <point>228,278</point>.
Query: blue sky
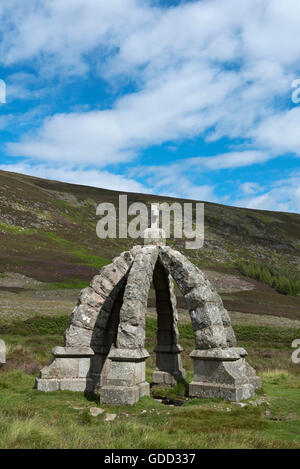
<point>183,98</point>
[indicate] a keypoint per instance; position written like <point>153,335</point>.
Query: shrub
<point>282,280</point>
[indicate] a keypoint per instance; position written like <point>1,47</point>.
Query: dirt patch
<point>263,301</point>
<point>25,305</point>
<point>9,280</point>
<point>226,283</point>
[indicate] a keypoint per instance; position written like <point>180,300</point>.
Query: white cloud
<point>170,109</point>
<point>281,132</point>
<point>235,159</point>
<point>59,33</point>
<point>250,188</point>
<point>283,195</point>
<point>171,180</point>
<point>203,68</point>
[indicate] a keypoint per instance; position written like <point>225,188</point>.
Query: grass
<point>32,419</point>
<point>77,250</point>
<point>15,229</point>
<point>72,284</point>
<point>38,325</point>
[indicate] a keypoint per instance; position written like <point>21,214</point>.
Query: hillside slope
<point>47,232</point>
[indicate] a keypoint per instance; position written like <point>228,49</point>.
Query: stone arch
<point>77,366</point>
<point>125,382</point>
<point>104,342</point>
<point>220,368</point>
<point>210,320</point>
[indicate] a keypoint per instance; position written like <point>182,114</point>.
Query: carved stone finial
<point>154,235</point>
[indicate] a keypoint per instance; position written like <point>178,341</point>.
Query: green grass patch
<point>78,251</point>
<point>15,229</point>
<point>266,337</point>
<point>38,325</point>
<point>33,419</point>
<point>73,284</point>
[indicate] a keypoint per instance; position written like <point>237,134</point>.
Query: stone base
<point>68,371</point>
<point>123,395</point>
<point>223,373</point>
<point>75,384</point>
<point>169,368</point>
<point>165,378</point>
<point>124,383</point>
<point>252,376</point>
<point>223,391</point>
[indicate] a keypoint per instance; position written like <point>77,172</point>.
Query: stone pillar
<point>125,381</point>
<point>2,352</point>
<point>169,368</point>
<point>222,373</point>
<point>69,370</point>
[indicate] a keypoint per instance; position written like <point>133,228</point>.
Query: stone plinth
<point>69,370</point>
<point>125,381</point>
<point>222,373</point>
<point>169,368</point>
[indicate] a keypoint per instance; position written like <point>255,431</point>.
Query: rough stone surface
<point>210,320</point>
<point>222,391</point>
<point>210,337</point>
<point>221,373</point>
<point>230,337</point>
<point>96,301</point>
<point>186,274</point>
<point>123,395</point>
<point>95,411</point>
<point>132,315</point>
<point>47,385</point>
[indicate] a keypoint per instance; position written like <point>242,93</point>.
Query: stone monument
<point>104,342</point>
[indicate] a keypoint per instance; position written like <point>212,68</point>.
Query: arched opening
<point>104,336</point>
<point>169,368</point>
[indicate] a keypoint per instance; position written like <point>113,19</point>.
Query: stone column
<point>169,368</point>
<point>125,382</point>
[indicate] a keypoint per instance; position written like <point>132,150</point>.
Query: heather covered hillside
<point>48,241</point>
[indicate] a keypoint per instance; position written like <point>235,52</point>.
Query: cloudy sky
<point>183,98</point>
